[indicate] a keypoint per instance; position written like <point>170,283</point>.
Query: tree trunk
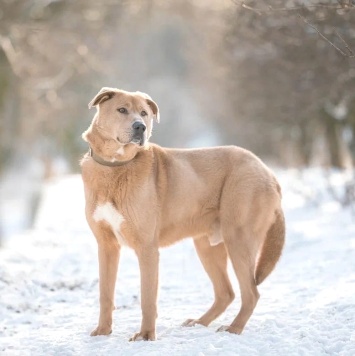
<point>350,120</point>
<point>306,140</point>
<point>334,141</point>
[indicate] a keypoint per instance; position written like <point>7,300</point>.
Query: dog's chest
<point>106,212</point>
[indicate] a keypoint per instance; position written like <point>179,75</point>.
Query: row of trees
<point>298,68</point>
<point>276,77</point>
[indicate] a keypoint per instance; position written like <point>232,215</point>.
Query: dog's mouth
<point>138,140</point>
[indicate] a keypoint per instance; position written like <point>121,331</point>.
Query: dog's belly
<point>196,228</point>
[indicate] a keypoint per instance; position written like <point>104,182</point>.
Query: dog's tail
<point>271,249</point>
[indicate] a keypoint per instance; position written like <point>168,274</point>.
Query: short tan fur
<point>225,198</point>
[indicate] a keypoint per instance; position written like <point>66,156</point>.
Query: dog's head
<point>122,125</point>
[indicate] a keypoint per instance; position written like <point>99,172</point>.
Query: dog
<point>144,196</point>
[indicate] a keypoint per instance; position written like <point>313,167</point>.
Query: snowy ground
<point>49,286</point>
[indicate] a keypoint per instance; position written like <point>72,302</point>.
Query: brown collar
<point>103,162</point>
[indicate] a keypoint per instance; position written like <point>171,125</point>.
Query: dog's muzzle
<point>138,133</point>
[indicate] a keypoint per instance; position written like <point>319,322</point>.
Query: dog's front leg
<point>109,253</point>
<point>148,257</point>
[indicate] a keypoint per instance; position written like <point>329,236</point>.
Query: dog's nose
<point>139,127</point>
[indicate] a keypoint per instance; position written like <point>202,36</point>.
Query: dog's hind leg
<point>242,254</point>
<point>214,261</point>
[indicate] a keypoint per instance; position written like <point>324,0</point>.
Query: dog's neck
<point>103,162</point>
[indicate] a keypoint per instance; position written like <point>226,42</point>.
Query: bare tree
<point>291,66</point>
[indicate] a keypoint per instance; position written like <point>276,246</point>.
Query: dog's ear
<point>153,105</point>
<point>103,95</point>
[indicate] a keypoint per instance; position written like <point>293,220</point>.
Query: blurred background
<point>276,77</point>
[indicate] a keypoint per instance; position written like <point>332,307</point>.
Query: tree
<point>286,76</point>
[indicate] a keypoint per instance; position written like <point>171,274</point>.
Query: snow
<point>49,285</point>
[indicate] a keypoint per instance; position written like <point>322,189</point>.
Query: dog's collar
<point>103,162</point>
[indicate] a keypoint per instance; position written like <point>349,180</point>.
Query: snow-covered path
<point>49,287</point>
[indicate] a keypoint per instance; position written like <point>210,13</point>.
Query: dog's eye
<point>144,113</point>
<point>122,110</point>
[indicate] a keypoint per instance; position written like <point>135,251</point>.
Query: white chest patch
<point>112,217</point>
<point>120,151</point>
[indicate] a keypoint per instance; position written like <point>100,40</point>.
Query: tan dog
<point>145,196</point>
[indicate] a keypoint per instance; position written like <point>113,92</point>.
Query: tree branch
<point>351,55</point>
<point>10,53</point>
<point>339,6</point>
<point>351,52</point>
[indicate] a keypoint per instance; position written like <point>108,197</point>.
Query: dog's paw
<point>191,322</point>
<point>230,329</point>
<point>101,330</point>
<point>143,336</point>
